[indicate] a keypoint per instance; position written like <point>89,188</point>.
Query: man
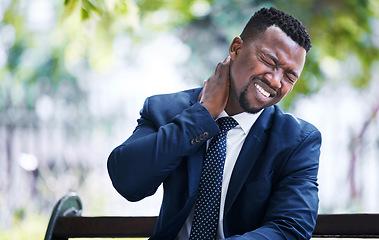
<point>268,188</point>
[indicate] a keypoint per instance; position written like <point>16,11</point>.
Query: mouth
<point>262,91</point>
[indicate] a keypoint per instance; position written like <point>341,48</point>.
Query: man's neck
<point>233,107</point>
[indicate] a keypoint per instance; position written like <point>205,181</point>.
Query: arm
<point>292,209</point>
<point>139,165</point>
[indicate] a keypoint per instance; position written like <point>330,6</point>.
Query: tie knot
<point>226,123</point>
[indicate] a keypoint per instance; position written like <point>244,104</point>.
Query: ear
<point>235,47</point>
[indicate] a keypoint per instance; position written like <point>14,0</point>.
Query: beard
<point>244,102</point>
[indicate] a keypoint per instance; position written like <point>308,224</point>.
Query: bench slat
<point>70,227</point>
<point>347,226</point>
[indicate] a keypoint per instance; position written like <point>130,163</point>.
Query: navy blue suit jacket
<point>273,191</point>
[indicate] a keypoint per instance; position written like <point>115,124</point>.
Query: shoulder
<point>185,96</point>
<point>163,108</point>
<point>172,100</point>
<point>291,127</point>
<point>293,143</point>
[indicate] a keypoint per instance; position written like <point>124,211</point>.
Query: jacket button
<point>193,141</point>
<point>204,135</point>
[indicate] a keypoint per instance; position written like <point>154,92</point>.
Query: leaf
<point>85,14</point>
<point>70,6</point>
<point>90,7</point>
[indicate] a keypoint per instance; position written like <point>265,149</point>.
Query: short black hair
<point>265,18</point>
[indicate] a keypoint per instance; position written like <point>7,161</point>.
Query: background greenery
<point>53,51</point>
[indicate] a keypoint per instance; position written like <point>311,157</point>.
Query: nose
<point>274,78</point>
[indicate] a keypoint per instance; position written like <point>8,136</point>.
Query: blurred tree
<point>341,30</point>
<point>37,95</point>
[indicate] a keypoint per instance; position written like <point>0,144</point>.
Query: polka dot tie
<point>204,225</point>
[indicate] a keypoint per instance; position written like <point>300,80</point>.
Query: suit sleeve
<point>157,146</point>
<point>292,209</point>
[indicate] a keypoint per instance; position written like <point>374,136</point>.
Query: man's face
<point>263,70</point>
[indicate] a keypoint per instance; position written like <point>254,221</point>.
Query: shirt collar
<point>245,120</point>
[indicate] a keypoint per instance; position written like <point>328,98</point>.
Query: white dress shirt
<point>234,142</point>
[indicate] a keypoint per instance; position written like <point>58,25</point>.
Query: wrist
<point>214,112</point>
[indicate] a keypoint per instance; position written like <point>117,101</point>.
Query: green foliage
<point>339,29</point>
<point>32,227</point>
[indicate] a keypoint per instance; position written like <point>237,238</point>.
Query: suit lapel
<point>195,164</point>
<point>250,152</point>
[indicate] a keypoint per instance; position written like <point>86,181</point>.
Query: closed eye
<point>270,59</point>
<point>290,78</point>
<point>292,75</point>
<point>269,62</point>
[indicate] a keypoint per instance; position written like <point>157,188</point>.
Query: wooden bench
<point>66,222</point>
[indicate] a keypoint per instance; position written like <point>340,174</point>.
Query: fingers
<point>221,73</point>
<point>224,65</point>
<point>215,92</point>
